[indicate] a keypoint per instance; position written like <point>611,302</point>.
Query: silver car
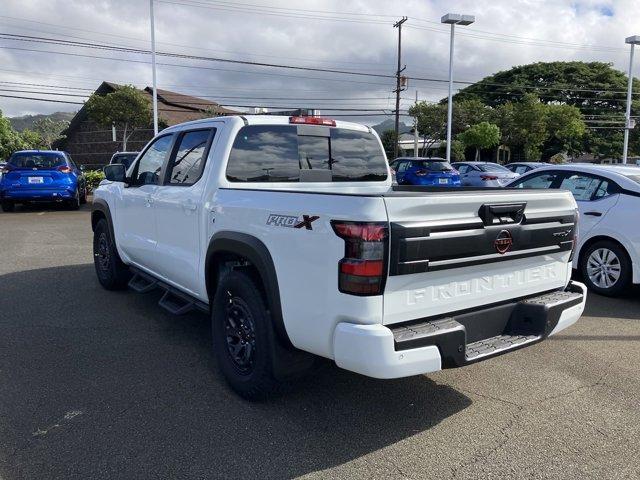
<point>523,167</point>
<point>483,174</point>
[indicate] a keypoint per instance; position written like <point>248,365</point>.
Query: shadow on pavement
<point>106,384</point>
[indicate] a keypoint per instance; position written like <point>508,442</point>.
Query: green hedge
<point>94,177</point>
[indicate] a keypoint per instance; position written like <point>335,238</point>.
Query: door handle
<point>594,214</point>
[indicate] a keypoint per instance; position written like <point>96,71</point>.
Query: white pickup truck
<point>289,233</point>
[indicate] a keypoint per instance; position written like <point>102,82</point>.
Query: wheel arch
<point>228,246</point>
<point>600,238</point>
<point>99,210</point>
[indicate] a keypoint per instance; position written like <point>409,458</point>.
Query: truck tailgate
<point>452,251</point>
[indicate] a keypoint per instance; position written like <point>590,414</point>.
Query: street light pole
<point>633,41</point>
<point>153,68</point>
<point>453,19</point>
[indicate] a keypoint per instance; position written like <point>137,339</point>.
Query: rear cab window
<point>285,153</point>
<point>37,161</point>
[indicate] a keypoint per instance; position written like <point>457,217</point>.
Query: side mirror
<point>115,172</point>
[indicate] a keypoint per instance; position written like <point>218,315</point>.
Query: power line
<point>55,41</point>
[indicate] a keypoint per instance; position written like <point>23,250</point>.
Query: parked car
<point>433,172</point>
<point>288,233</point>
<point>42,176</point>
<point>125,158</point>
<point>483,174</point>
<point>608,197</point>
<point>523,167</point>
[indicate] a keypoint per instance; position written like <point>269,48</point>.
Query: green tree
<point>10,140</point>
<point>595,88</point>
<point>432,122</point>
<point>566,129</point>
<point>523,125</point>
<point>31,140</point>
<point>480,136</point>
<point>389,140</point>
<point>127,108</point>
<point>49,129</point>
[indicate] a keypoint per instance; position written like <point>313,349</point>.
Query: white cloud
<point>242,33</point>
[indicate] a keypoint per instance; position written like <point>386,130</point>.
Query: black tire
<point>590,265</point>
<point>241,323</point>
<point>8,206</point>
<point>112,273</point>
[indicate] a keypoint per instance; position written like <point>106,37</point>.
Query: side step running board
<point>142,283</point>
<point>172,300</point>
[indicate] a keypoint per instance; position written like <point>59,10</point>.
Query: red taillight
<point>313,121</point>
<point>65,169</point>
<point>363,269</point>
<point>488,177</point>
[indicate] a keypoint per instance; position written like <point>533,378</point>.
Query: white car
<point>608,197</point>
<point>288,232</point>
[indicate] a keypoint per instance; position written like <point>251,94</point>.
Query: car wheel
<point>112,273</point>
<point>8,206</point>
<point>606,268</point>
<point>243,337</point>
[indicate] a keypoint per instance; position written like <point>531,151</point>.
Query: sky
<point>352,35</point>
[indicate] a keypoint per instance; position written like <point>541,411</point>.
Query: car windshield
<point>493,167</point>
<point>38,161</point>
<point>434,165</point>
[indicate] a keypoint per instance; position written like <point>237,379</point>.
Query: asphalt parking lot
<point>96,384</point>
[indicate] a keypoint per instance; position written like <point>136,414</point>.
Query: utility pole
<point>153,68</point>
<point>398,89</point>
<point>415,130</point>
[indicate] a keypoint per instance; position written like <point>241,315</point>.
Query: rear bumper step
<point>419,347</point>
<point>468,337</point>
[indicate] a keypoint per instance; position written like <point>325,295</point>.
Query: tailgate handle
<point>499,214</point>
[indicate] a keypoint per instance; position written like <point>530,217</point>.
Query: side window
<point>583,187</point>
<point>605,189</point>
<point>463,169</point>
<point>187,164</point>
<point>147,169</point>
<point>403,167</point>
<point>540,180</point>
<point>264,153</point>
<point>521,169</point>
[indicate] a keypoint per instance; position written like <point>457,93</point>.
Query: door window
<point>583,187</point>
<point>521,169</point>
<point>463,169</point>
<point>403,167</point>
<point>147,170</point>
<point>539,180</point>
<point>187,164</point>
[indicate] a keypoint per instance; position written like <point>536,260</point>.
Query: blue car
<point>41,176</point>
<point>431,172</point>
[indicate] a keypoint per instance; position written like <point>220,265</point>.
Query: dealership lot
<point>108,385</point>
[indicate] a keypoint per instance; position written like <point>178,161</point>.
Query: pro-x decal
<point>290,221</point>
